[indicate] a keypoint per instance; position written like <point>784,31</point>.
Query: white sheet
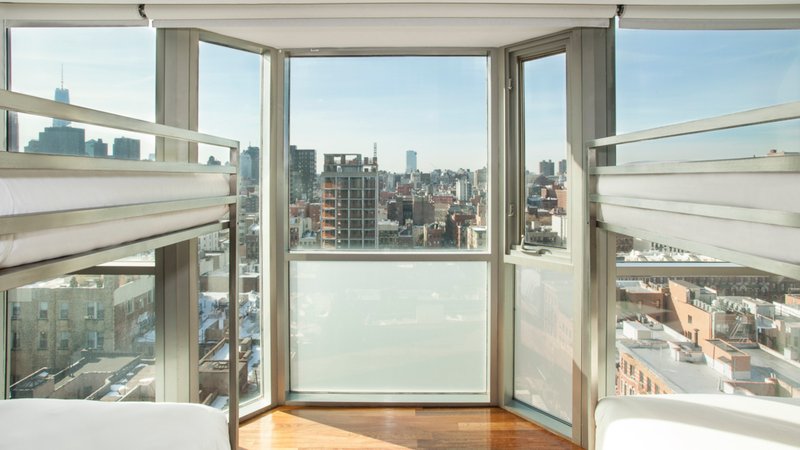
<point>90,425</point>
<point>777,191</point>
<point>767,191</point>
<point>24,192</point>
<point>768,241</point>
<point>697,421</point>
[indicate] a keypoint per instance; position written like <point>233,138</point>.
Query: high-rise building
<point>349,202</point>
<point>411,161</point>
<point>59,141</point>
<point>126,148</point>
<point>61,96</point>
<point>254,172</point>
<point>463,189</point>
<point>302,173</point>
<point>97,148</point>
<point>547,168</point>
<point>562,167</point>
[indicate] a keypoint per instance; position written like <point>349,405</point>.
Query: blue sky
<point>436,106</point>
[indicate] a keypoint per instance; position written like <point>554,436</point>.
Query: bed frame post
<point>233,309</point>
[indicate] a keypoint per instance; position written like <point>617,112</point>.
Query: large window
<point>230,106</point>
<point>95,349</point>
<point>109,69</point>
<point>698,330</point>
<point>388,153</point>
<point>389,327</point>
<point>388,156</point>
<point>668,76</point>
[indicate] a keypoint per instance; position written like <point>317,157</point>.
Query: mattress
<point>89,425</point>
<point>697,421</point>
<point>756,191</point>
<point>25,192</point>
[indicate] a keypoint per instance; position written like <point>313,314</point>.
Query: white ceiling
<point>379,23</point>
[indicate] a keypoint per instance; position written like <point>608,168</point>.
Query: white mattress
<point>89,425</point>
<point>31,192</point>
<point>766,191</point>
<point>697,421</point>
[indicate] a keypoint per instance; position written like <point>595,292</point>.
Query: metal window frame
<point>601,153</point>
<point>268,87</point>
<point>175,267</point>
<point>590,112</point>
<point>285,256</point>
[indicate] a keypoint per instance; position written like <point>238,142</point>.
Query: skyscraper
<point>97,148</point>
<point>547,168</point>
<point>59,141</point>
<point>349,202</point>
<point>562,167</point>
<point>302,173</point>
<point>61,96</point>
<point>411,161</point>
<point>126,148</point>
<point>254,172</point>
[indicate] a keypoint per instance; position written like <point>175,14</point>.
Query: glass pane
<point>404,137</point>
<point>545,134</point>
<point>543,328</point>
<point>84,337</point>
<point>230,106</point>
<point>109,69</point>
<point>658,84</point>
<point>734,334</point>
<point>388,327</point>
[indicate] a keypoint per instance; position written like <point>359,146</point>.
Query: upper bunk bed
<point>63,214</point>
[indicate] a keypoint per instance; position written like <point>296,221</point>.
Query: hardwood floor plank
<point>305,428</point>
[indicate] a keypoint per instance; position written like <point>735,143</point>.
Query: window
<point>388,156</point>
<point>543,336</point>
<point>545,151</point>
<point>389,327</point>
<point>95,340</point>
<point>230,106</point>
<point>742,70</point>
<point>95,311</point>
<point>15,310</point>
<point>123,347</point>
<point>63,311</point>
<point>43,307</point>
<point>716,333</point>
<point>364,175</point>
<point>110,69</point>
<point>42,345</point>
<point>63,340</point>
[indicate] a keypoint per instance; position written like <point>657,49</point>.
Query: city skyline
<point>647,94</point>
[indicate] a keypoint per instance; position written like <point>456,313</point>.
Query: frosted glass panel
<point>543,341</point>
<point>389,327</point>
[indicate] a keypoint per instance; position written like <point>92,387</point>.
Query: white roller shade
<point>689,17</point>
<point>78,15</point>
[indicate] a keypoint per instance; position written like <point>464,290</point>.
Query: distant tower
<point>126,148</point>
<point>547,168</point>
<point>62,96</point>
<point>349,202</point>
<point>411,161</point>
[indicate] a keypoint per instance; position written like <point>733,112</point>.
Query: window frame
<point>285,255</point>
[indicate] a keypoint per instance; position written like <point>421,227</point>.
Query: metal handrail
<point>29,104</point>
<point>776,113</point>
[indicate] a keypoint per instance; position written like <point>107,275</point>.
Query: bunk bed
<point>62,214</point>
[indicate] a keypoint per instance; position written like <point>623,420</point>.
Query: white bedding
<point>90,425</point>
<point>766,191</point>
<point>31,192</point>
<point>697,421</point>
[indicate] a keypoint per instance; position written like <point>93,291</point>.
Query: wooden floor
<point>393,428</point>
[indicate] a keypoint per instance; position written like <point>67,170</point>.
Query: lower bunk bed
<point>60,215</point>
<point>86,424</point>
